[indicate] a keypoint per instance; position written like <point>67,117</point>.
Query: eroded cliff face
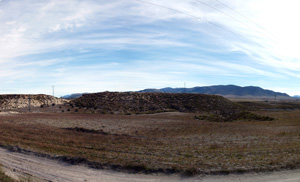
<point>16,101</point>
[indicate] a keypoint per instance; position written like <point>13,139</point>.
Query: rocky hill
<point>231,91</point>
<point>16,101</point>
<point>133,102</point>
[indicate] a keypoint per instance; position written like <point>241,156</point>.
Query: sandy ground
<point>41,169</point>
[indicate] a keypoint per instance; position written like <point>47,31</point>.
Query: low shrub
<point>252,116</point>
<point>211,117</point>
<point>245,115</point>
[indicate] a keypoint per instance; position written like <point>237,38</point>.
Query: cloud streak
<point>130,45</point>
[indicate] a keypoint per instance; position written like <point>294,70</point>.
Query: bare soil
<point>22,166</point>
<point>162,143</point>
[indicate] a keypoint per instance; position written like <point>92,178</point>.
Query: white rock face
<point>22,101</point>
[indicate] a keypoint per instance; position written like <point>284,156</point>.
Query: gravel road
<point>18,164</point>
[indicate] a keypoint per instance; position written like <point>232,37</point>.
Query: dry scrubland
<point>111,130</point>
<point>163,142</point>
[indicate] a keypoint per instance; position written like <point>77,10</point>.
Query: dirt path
<point>17,164</point>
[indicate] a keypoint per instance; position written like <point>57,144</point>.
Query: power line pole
<point>29,103</point>
<point>53,90</point>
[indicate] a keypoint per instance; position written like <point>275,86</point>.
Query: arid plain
<point>163,142</point>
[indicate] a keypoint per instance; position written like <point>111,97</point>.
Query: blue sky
<point>127,45</point>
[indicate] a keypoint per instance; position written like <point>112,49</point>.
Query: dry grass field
<point>5,178</point>
<point>170,142</point>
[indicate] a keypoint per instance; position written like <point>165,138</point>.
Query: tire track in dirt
<point>19,165</point>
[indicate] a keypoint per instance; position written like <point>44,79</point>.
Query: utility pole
<point>29,102</point>
<point>48,98</point>
<point>53,90</point>
<point>184,87</point>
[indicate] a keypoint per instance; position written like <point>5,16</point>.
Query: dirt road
<point>17,164</point>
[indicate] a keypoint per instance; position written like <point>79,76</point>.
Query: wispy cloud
<point>130,45</point>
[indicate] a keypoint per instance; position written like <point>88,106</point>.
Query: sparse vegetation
<point>132,102</point>
<point>150,139</point>
<point>211,117</point>
<point>245,116</point>
<point>164,142</point>
<point>4,177</point>
<point>19,101</point>
<point>270,105</point>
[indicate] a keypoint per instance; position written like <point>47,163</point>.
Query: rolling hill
<point>134,102</point>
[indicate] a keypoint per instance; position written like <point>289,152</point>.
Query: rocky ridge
<point>17,101</point>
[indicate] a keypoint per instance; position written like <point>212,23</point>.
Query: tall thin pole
<point>29,102</point>
<point>53,91</point>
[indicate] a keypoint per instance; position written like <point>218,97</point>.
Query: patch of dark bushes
<point>245,115</point>
<point>73,160</point>
<point>84,130</point>
<point>190,172</point>
<point>211,117</point>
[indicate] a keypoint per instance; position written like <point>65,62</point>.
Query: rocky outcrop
<point>16,101</point>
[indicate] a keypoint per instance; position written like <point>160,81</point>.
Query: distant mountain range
<point>72,96</point>
<point>229,91</point>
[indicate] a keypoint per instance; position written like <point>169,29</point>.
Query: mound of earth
<point>133,102</point>
<point>17,101</point>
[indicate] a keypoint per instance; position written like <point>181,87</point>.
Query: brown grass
<point>4,177</point>
<point>164,142</point>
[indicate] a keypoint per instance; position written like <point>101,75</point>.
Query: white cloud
<point>264,32</point>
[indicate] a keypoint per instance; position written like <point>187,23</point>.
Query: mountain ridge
<point>228,91</point>
<point>232,91</point>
